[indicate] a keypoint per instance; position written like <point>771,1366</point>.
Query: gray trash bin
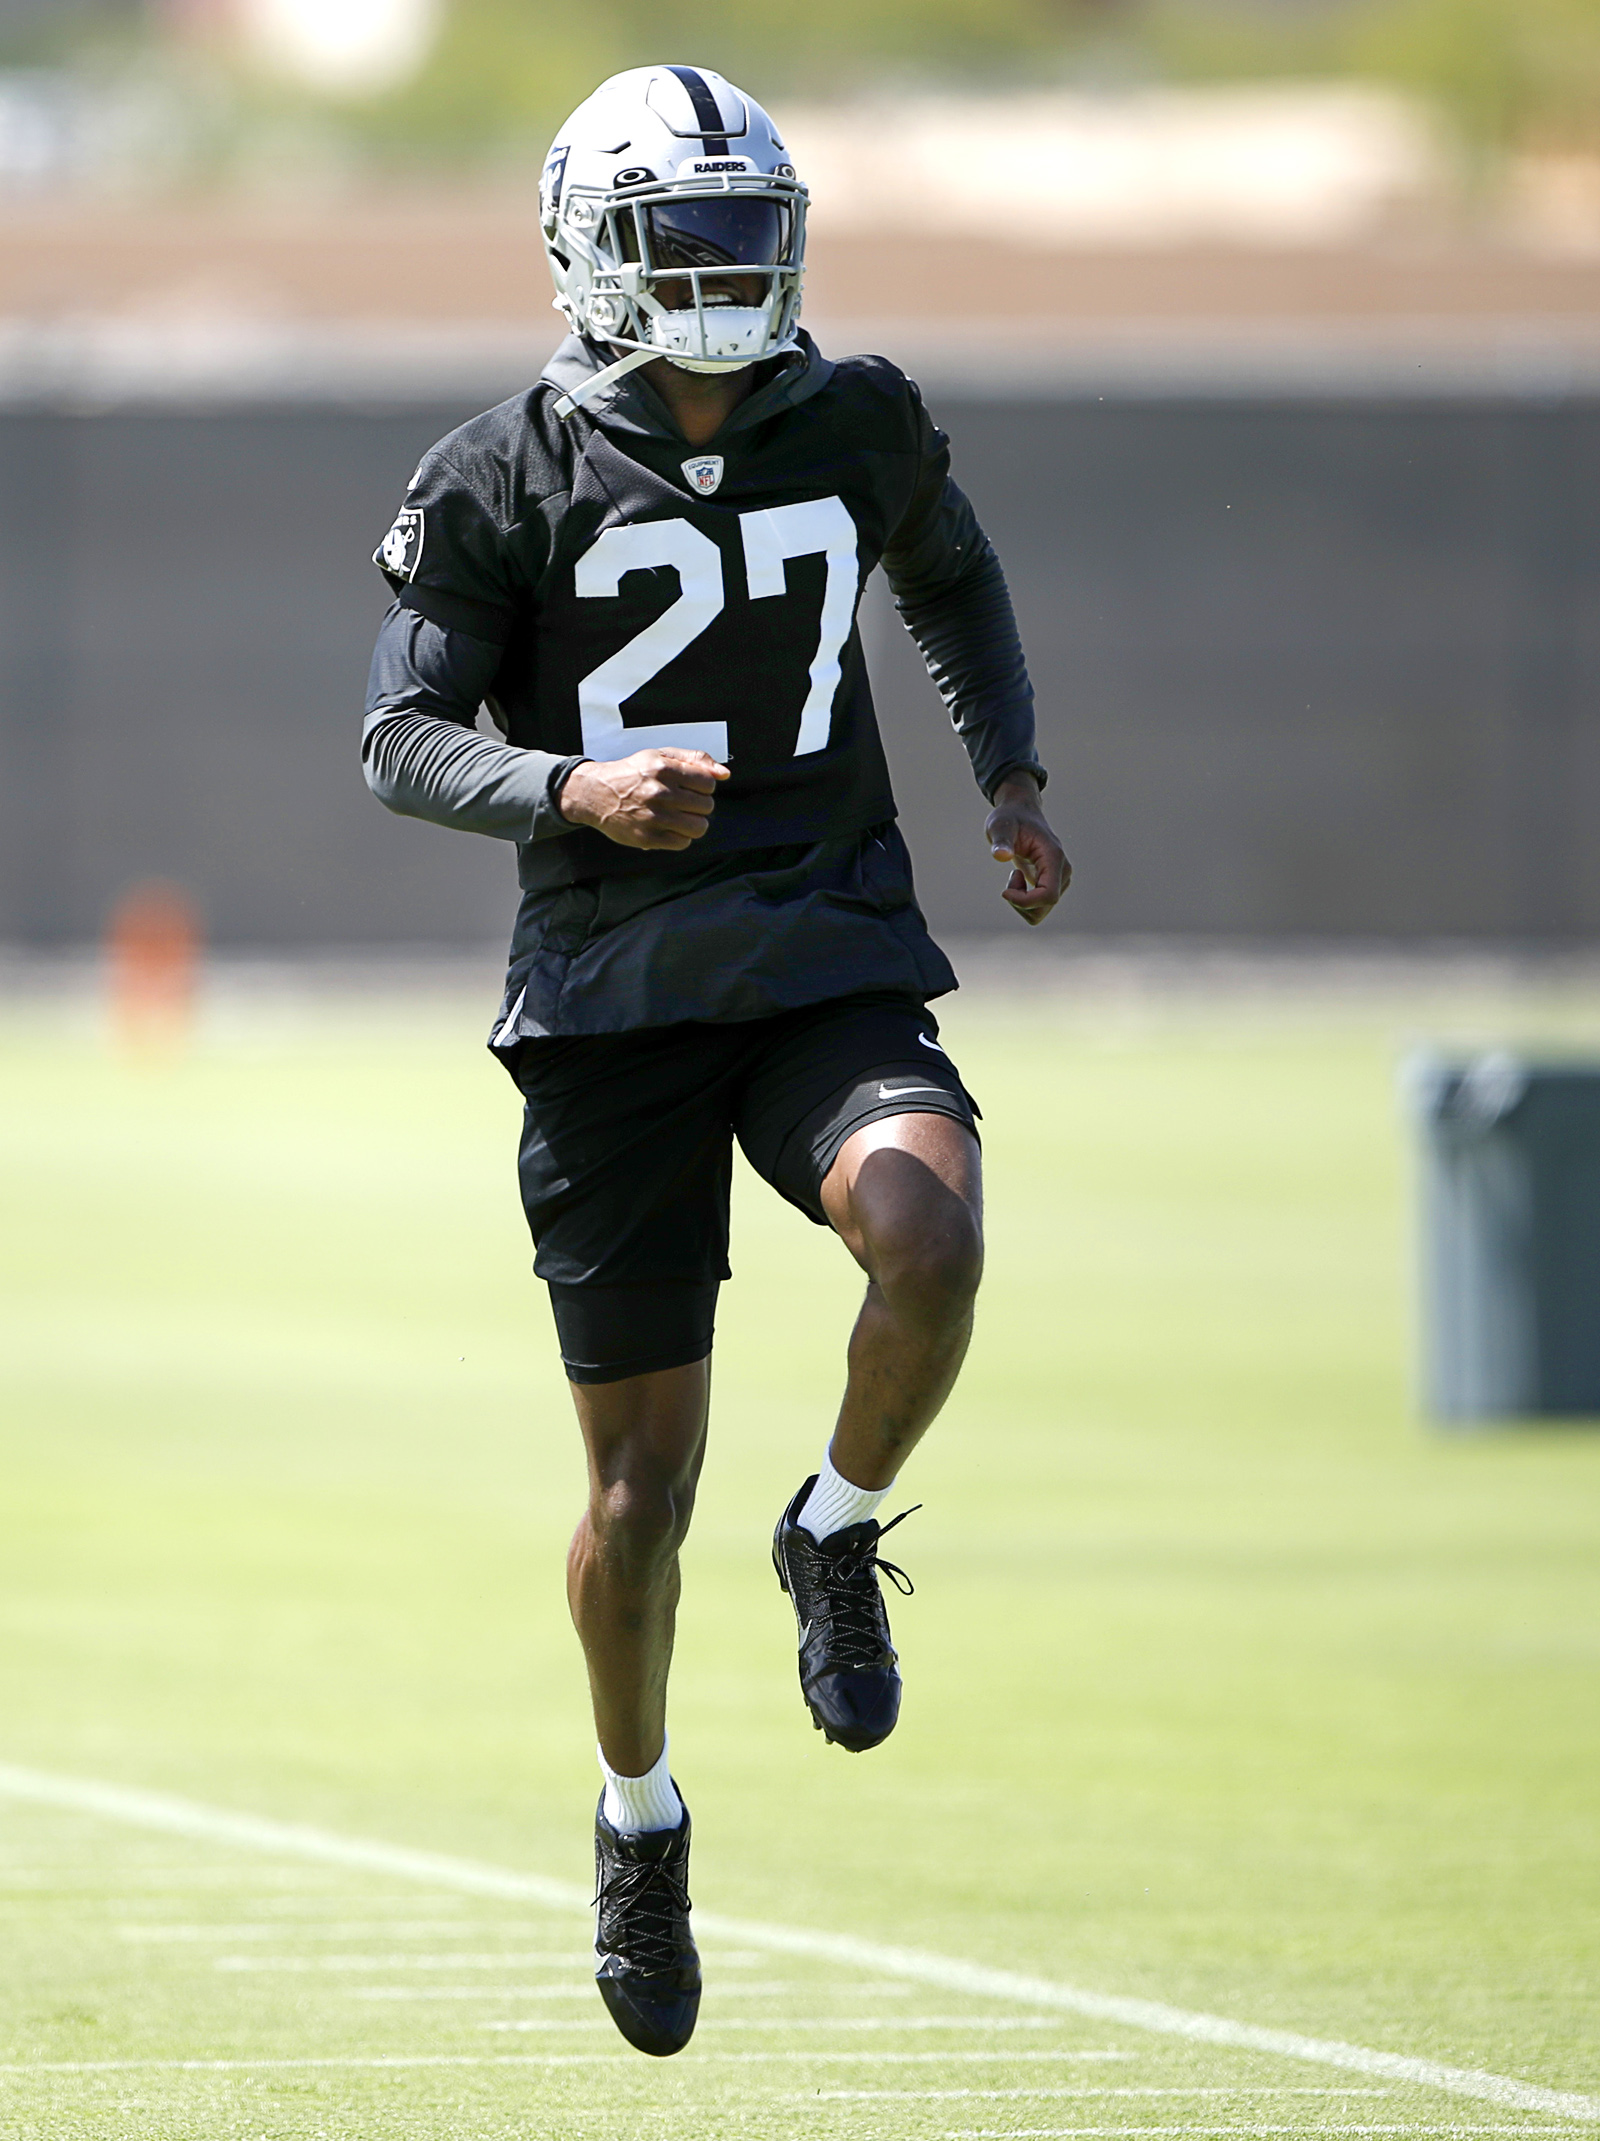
<point>1510,1227</point>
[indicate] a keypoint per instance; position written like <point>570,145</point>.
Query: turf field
<point>1230,1687</point>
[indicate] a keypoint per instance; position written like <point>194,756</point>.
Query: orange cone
<point>153,949</point>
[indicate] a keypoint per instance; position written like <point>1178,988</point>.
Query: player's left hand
<point>1019,833</point>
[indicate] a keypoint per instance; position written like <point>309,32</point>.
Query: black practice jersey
<point>603,588</point>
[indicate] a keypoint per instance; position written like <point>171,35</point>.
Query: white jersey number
<point>641,548</point>
<point>771,538</point>
<point>800,531</point>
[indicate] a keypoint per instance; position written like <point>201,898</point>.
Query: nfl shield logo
<point>703,473</point>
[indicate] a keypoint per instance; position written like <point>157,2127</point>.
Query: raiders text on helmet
<point>661,186</point>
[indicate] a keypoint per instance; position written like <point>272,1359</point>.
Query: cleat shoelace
<point>858,1627</point>
<point>642,1909</point>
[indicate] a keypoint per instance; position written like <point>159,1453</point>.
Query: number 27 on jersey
<point>812,527</point>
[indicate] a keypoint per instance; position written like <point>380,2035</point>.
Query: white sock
<point>834,1503</point>
<point>634,1804</point>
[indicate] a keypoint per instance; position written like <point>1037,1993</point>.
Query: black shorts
<point>627,1156</point>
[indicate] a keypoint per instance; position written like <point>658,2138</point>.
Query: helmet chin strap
<point>587,389</point>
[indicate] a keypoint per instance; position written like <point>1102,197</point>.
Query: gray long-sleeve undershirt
<point>422,752</point>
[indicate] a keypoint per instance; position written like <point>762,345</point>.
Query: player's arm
<point>460,566</point>
<point>424,756</point>
<point>461,574</point>
<point>951,592</point>
<point>421,750</point>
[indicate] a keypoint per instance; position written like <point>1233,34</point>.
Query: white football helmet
<point>662,186</point>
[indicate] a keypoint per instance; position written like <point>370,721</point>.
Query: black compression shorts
<point>627,1156</point>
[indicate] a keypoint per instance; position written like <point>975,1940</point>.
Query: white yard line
<point>159,1930</point>
<point>181,1817</point>
<point>611,2056</point>
<point>617,2058</point>
<point>1033,2096</point>
<point>291,1963</point>
<point>895,2025</point>
<point>583,1990</point>
<point>1011,2057</point>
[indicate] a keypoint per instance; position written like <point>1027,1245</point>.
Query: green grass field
<point>1230,1685</point>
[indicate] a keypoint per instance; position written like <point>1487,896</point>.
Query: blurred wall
<point>1307,667</point>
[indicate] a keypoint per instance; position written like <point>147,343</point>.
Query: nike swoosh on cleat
<point>894,1092</point>
<point>804,1633</point>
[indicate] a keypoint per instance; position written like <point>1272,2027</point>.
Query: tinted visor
<point>728,231</point>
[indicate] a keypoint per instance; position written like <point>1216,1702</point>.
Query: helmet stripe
<point>707,116</point>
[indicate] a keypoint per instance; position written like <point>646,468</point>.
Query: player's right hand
<point>655,799</point>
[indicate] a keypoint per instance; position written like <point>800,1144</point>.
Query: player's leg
<point>905,1196</point>
<point>625,1165</point>
<point>644,1438</point>
<point>861,1119</point>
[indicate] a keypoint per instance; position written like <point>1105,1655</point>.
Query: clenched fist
<point>655,799</point>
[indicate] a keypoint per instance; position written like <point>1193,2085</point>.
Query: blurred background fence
<point>1268,337</point>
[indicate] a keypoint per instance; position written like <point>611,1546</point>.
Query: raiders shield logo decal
<point>401,550</point>
<point>703,473</point>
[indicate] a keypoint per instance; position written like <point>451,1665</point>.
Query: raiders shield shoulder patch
<point>400,552</point>
<point>703,473</point>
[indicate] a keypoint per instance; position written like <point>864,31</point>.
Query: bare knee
<point>640,1516</point>
<point>645,1437</point>
<point>906,1195</point>
<point>928,1262</point>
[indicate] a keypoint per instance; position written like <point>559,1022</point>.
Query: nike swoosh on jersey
<point>893,1092</point>
<point>938,1051</point>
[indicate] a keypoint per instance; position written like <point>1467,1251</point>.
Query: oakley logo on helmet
<point>635,175</point>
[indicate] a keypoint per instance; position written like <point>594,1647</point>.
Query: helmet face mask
<point>674,222</point>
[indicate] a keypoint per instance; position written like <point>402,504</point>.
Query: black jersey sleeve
<point>422,752</point>
<point>448,555</point>
<point>951,593</point>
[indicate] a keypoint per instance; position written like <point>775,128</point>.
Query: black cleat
<point>847,1663</point>
<point>649,1974</point>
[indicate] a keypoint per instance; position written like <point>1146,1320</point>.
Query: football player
<point>647,568</point>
